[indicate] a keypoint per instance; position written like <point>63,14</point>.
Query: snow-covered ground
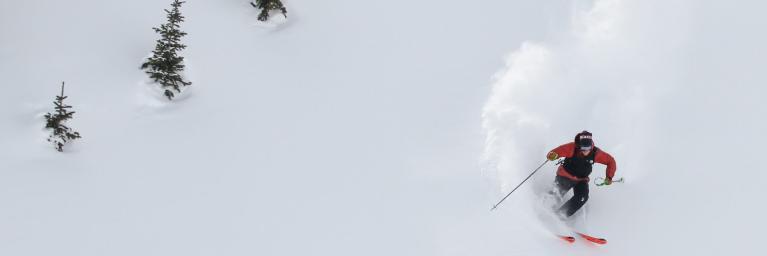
<point>371,128</point>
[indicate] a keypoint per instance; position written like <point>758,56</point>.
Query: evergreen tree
<point>61,133</point>
<point>268,5</point>
<point>165,64</point>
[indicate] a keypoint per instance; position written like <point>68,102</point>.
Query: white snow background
<point>374,128</point>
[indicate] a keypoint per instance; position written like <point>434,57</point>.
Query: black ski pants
<point>580,194</point>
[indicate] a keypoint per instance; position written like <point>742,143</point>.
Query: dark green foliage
<point>268,5</point>
<point>165,64</point>
<point>61,133</point>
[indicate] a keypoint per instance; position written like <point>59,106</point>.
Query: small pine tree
<point>268,5</point>
<point>165,64</point>
<point>61,133</point>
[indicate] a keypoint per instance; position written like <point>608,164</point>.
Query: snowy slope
<point>351,129</point>
<point>356,127</point>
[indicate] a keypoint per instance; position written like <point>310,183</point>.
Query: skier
<point>574,171</point>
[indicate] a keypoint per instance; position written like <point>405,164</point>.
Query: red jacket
<point>602,157</point>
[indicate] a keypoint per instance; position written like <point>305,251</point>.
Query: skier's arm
<point>606,159</point>
<point>565,150</point>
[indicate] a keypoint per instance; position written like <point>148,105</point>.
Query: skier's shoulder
<point>602,156</point>
<point>599,151</point>
<point>570,146</point>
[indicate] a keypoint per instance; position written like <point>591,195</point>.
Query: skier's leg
<point>562,185</point>
<point>557,192</point>
<point>580,196</point>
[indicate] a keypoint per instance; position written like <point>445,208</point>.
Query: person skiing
<point>573,173</point>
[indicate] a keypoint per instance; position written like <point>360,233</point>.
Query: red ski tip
<point>568,239</point>
<point>596,240</point>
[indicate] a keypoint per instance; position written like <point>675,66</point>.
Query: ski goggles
<point>585,144</point>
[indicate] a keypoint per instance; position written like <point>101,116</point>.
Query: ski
<point>592,239</point>
<point>568,239</point>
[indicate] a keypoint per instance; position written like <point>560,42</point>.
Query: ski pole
<point>599,184</point>
<point>520,184</point>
